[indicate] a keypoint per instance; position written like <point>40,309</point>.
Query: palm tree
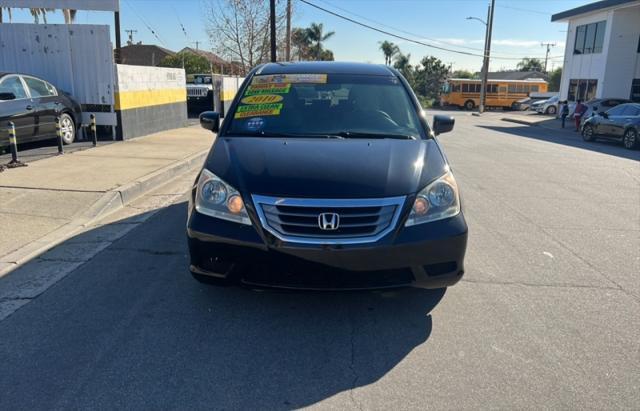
<point>316,37</point>
<point>69,15</point>
<point>389,50</point>
<point>401,63</point>
<point>8,13</point>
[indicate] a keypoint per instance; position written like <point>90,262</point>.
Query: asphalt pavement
<point>545,317</point>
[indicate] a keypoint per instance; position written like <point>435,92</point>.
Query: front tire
<point>551,110</point>
<point>588,133</point>
<point>630,139</point>
<point>67,128</point>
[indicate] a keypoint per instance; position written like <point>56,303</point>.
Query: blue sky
<point>519,27</point>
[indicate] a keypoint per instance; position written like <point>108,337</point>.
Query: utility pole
<point>288,41</point>
<point>487,53</point>
<point>116,18</point>
<point>272,8</point>
<point>197,43</point>
<point>131,32</point>
<point>546,57</point>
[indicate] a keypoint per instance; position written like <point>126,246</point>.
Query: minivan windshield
<point>326,105</point>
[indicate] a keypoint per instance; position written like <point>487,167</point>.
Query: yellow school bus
<point>465,93</point>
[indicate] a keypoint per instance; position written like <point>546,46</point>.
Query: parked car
<point>523,104</point>
<point>200,93</point>
<point>32,104</point>
<point>621,123</point>
<point>326,175</point>
<point>549,106</point>
<point>535,104</point>
<point>601,104</point>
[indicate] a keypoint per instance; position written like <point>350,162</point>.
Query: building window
<point>635,90</point>
<point>590,38</point>
<point>638,44</point>
<point>582,89</point>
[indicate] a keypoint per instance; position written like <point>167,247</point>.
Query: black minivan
<point>326,175</point>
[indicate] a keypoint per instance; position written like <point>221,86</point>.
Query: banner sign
<point>99,5</point>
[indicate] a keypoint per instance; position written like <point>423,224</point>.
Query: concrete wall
<point>76,58</point>
<point>149,99</point>
<point>618,63</point>
<point>230,86</point>
<point>623,60</point>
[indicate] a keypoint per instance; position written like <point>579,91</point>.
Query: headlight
<point>437,201</point>
<point>218,199</point>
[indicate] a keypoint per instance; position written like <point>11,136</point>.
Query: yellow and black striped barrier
<point>13,144</point>
<point>94,132</point>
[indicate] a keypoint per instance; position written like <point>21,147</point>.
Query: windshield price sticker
<point>268,88</point>
<point>291,78</point>
<point>262,99</point>
<point>256,110</point>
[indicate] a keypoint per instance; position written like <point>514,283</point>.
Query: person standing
<point>564,111</point>
<point>578,113</point>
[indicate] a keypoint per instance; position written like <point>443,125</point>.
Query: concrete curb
<point>109,202</point>
<point>520,121</point>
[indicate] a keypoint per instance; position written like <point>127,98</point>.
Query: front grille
<point>298,220</point>
<point>197,92</point>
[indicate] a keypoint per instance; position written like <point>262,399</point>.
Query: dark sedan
<point>326,175</point>
<point>621,123</point>
<point>32,104</point>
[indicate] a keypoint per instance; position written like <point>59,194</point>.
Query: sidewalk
<point>52,199</point>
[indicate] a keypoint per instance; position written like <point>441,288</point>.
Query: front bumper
<point>429,255</point>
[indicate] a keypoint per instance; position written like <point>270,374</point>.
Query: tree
<point>401,63</point>
<point>462,74</point>
<point>192,63</point>
<point>554,79</point>
<point>316,36</point>
<point>307,43</point>
<point>239,30</point>
<point>389,50</point>
<point>530,64</point>
<point>301,44</point>
<point>429,77</point>
<point>69,14</point>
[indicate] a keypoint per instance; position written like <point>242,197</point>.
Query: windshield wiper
<point>358,134</point>
<point>280,134</point>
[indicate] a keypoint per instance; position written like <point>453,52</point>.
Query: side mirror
<point>442,124</point>
<point>210,120</point>
<point>7,96</point>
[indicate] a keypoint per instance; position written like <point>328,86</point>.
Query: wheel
<point>206,279</point>
<point>588,134</point>
<point>67,128</point>
<point>630,139</point>
<point>551,110</point>
<point>469,104</point>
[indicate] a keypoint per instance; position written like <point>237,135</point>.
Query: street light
<point>477,18</point>
<point>487,50</point>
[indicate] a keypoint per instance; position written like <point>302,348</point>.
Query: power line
<point>403,37</point>
<point>410,33</point>
<point>144,22</point>
<point>525,10</point>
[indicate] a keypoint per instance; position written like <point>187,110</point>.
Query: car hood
<point>326,168</point>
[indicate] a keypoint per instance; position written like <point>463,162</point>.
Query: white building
<point>602,54</point>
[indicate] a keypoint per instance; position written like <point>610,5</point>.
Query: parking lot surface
<point>545,317</point>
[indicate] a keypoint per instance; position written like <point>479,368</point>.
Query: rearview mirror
<point>442,124</point>
<point>7,96</point>
<point>210,120</point>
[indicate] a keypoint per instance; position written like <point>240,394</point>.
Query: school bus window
<point>534,88</point>
<point>512,88</point>
<point>465,88</point>
<point>526,88</point>
<point>503,89</point>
